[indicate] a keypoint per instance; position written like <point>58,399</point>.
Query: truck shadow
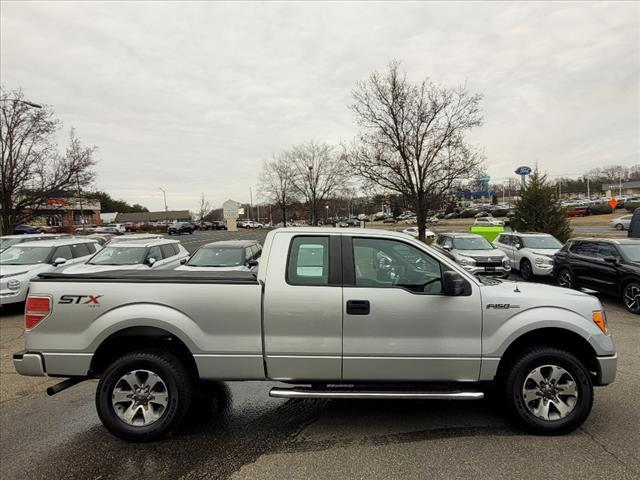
<point>239,424</point>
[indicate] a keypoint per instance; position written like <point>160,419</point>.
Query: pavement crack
<point>604,447</point>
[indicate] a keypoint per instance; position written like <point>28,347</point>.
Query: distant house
<point>154,217</point>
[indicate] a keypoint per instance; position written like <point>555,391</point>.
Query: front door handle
<point>358,307</point>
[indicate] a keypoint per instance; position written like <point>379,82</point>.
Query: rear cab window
<point>308,261</point>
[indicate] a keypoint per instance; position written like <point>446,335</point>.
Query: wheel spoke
<point>120,396</point>
<point>568,388</point>
<point>542,410</point>
<point>531,394</point>
<point>563,408</point>
<point>556,374</point>
<point>131,380</point>
<point>130,413</point>
<point>536,376</point>
<point>153,381</point>
<point>160,398</point>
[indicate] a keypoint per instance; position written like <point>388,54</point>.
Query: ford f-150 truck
<point>332,314</point>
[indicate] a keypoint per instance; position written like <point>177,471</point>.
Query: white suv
<point>530,253</point>
<point>156,254</point>
<point>488,222</point>
<point>24,261</point>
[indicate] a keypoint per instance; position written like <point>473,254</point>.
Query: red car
<point>579,212</point>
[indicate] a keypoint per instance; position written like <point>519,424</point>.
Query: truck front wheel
<point>143,395</point>
<point>549,391</point>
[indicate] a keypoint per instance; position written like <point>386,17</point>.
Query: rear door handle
<point>358,307</point>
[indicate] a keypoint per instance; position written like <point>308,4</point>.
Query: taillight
<point>36,309</point>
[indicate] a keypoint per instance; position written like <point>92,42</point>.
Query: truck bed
<point>152,276</point>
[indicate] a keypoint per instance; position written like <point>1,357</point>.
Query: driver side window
<point>382,263</point>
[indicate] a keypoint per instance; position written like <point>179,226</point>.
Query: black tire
<point>526,270</point>
<point>619,227</point>
<point>565,278</point>
<point>631,297</point>
<point>515,382</point>
<point>179,388</point>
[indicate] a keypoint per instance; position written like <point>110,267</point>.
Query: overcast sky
<point>192,97</point>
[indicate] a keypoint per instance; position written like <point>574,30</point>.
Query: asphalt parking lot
<point>257,437</point>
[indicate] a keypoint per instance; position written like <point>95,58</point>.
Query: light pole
<point>164,194</point>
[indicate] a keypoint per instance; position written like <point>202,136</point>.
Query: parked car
<point>230,255</point>
<point>109,229</point>
<point>48,229</point>
<point>529,253</point>
<point>7,241</point>
<point>579,212</point>
<point>157,254</point>
<point>178,228</point>
<point>218,225</point>
<point>385,316</point>
<point>610,266</point>
<point>389,220</point>
<point>132,237</point>
<point>131,227</point>
<point>621,223</point>
<point>488,222</point>
<point>250,224</point>
<point>451,215</point>
<point>101,238</point>
<point>413,231</point>
<point>634,225</point>
<point>25,230</point>
<point>474,253</point>
<point>22,262</point>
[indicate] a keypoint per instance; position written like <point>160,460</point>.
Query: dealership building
<point>624,188</point>
<point>67,212</point>
<point>169,216</point>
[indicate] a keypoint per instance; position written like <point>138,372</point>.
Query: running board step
<point>278,392</point>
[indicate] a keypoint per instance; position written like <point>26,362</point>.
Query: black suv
<point>179,228</point>
<point>218,225</point>
<point>606,265</point>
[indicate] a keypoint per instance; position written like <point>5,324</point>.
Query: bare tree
<point>318,174</point>
<point>204,207</point>
<point>31,168</point>
<point>276,183</point>
<point>412,138</point>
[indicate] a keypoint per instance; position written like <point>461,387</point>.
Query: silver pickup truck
<point>332,314</point>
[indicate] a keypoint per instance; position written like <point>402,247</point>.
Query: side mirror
<point>252,263</point>
<point>452,283</point>
<point>446,247</point>
<point>151,261</point>
<point>518,246</point>
<point>611,259</point>
<point>59,261</point>
<point>183,261</point>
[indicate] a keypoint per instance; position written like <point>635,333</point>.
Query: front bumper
<point>29,364</point>
<point>495,271</point>
<point>8,296</point>
<point>606,369</point>
<point>542,270</point>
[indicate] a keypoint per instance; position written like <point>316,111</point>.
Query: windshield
<point>24,255</point>
<point>124,255</point>
<point>541,242</point>
<point>472,243</point>
<point>631,252</point>
<point>7,242</point>
<point>216,257</point>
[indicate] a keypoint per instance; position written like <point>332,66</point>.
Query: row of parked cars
<point>23,257</point>
<point>607,265</point>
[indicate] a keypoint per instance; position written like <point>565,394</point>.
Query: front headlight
<point>543,261</point>
<point>13,284</point>
<point>466,261</point>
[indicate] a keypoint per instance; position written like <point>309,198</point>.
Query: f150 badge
<point>82,299</point>
<point>502,306</point>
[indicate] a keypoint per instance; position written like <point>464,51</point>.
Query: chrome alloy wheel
<point>550,392</point>
<point>631,297</point>
<point>140,398</point>
<point>564,279</point>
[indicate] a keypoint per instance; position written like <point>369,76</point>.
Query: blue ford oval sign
<point>523,171</point>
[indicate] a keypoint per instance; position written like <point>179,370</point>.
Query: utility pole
<point>80,200</point>
<point>620,194</point>
<point>251,203</point>
<point>588,192</point>
<point>164,194</point>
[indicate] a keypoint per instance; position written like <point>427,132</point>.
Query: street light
<point>164,194</point>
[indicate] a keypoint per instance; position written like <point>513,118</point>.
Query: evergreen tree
<point>538,209</point>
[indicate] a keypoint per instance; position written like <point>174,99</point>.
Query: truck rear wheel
<point>549,391</point>
<point>143,395</point>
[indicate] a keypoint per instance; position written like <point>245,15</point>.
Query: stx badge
<point>88,299</point>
